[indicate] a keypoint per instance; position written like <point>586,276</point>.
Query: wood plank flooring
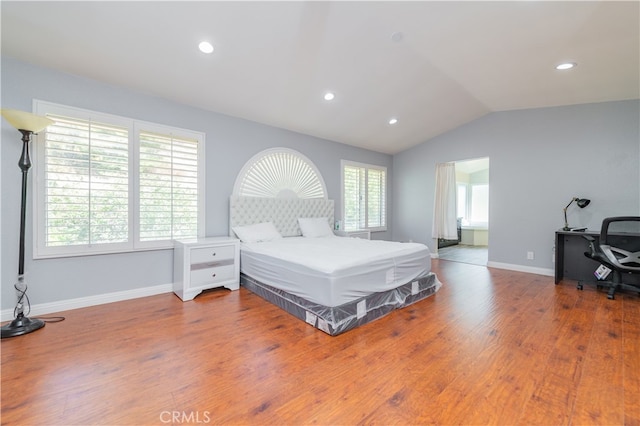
<point>491,347</point>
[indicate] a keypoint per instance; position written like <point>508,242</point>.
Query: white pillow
<point>258,232</point>
<point>313,227</point>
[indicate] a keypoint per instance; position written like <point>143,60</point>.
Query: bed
<point>290,257</point>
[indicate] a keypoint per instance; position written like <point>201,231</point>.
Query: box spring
<point>338,319</point>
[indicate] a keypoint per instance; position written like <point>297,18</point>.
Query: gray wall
<point>539,160</point>
<point>230,142</point>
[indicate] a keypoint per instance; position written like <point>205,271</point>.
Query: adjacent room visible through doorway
<point>472,205</point>
<point>475,255</point>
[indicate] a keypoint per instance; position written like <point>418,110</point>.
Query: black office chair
<point>618,249</point>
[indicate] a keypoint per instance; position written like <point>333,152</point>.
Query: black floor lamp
<point>27,124</point>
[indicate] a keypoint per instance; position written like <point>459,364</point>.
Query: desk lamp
<point>27,124</point>
<point>581,202</point>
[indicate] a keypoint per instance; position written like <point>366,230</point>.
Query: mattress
<point>333,271</point>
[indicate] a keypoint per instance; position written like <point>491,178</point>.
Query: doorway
<point>472,208</point>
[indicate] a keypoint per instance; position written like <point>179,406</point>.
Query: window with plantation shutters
<point>376,203</point>
<point>86,185</point>
<point>168,187</point>
<point>110,184</point>
<point>363,196</point>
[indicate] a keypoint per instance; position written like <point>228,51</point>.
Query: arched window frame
<point>280,173</point>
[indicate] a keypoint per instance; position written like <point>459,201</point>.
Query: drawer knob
<point>214,253</point>
<point>213,275</point>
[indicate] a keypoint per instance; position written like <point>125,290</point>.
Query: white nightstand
<point>203,263</point>
<point>359,233</point>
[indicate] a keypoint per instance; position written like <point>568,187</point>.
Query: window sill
<point>42,256</point>
<point>475,227</point>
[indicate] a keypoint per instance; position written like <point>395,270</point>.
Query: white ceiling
<point>273,61</point>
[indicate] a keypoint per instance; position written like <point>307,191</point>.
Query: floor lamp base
<point>21,325</point>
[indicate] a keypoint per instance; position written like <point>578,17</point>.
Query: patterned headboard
<point>282,212</point>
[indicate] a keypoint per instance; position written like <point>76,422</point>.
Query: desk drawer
<point>212,254</point>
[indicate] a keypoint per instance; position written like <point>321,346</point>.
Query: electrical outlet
<point>530,255</point>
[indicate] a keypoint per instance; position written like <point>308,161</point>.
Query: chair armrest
<point>592,246</point>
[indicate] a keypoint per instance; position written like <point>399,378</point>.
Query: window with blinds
<point>110,184</point>
<point>168,187</point>
<point>364,196</point>
<point>86,183</point>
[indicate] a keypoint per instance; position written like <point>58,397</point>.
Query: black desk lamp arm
<point>566,222</point>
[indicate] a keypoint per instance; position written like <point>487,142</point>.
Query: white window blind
<point>353,200</point>
<point>376,203</point>
<point>87,183</point>
<point>364,196</point>
<point>108,184</point>
<point>168,187</point>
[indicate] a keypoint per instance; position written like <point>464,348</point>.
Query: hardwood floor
<point>491,347</point>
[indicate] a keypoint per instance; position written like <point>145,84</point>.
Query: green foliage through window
<point>108,184</point>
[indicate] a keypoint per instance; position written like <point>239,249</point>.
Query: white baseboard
<point>513,267</point>
<point>521,268</point>
<point>83,302</point>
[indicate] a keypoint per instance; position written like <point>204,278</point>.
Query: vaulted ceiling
<point>431,65</point>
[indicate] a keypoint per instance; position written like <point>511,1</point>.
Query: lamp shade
<point>25,120</point>
<point>582,202</point>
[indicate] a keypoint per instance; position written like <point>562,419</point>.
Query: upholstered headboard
<point>282,212</point>
<point>279,185</point>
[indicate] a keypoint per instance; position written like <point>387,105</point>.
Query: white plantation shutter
<point>168,185</point>
<point>364,196</point>
<point>86,184</point>
<point>280,173</point>
<point>376,203</point>
<point>108,184</point>
<point>353,187</point>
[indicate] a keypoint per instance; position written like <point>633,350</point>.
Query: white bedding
<point>332,271</point>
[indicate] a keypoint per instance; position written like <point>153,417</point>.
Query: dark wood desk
<point>572,264</point>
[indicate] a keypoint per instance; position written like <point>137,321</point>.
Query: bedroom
<point>540,158</point>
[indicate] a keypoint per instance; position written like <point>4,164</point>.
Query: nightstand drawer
<point>212,275</point>
<point>212,254</point>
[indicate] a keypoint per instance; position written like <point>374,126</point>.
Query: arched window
<point>280,173</point>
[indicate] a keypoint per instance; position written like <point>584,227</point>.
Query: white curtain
<point>444,211</point>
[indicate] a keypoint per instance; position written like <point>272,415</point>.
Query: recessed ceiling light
<point>329,96</point>
<point>205,47</point>
<point>393,121</point>
<point>566,66</point>
<point>397,36</point>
